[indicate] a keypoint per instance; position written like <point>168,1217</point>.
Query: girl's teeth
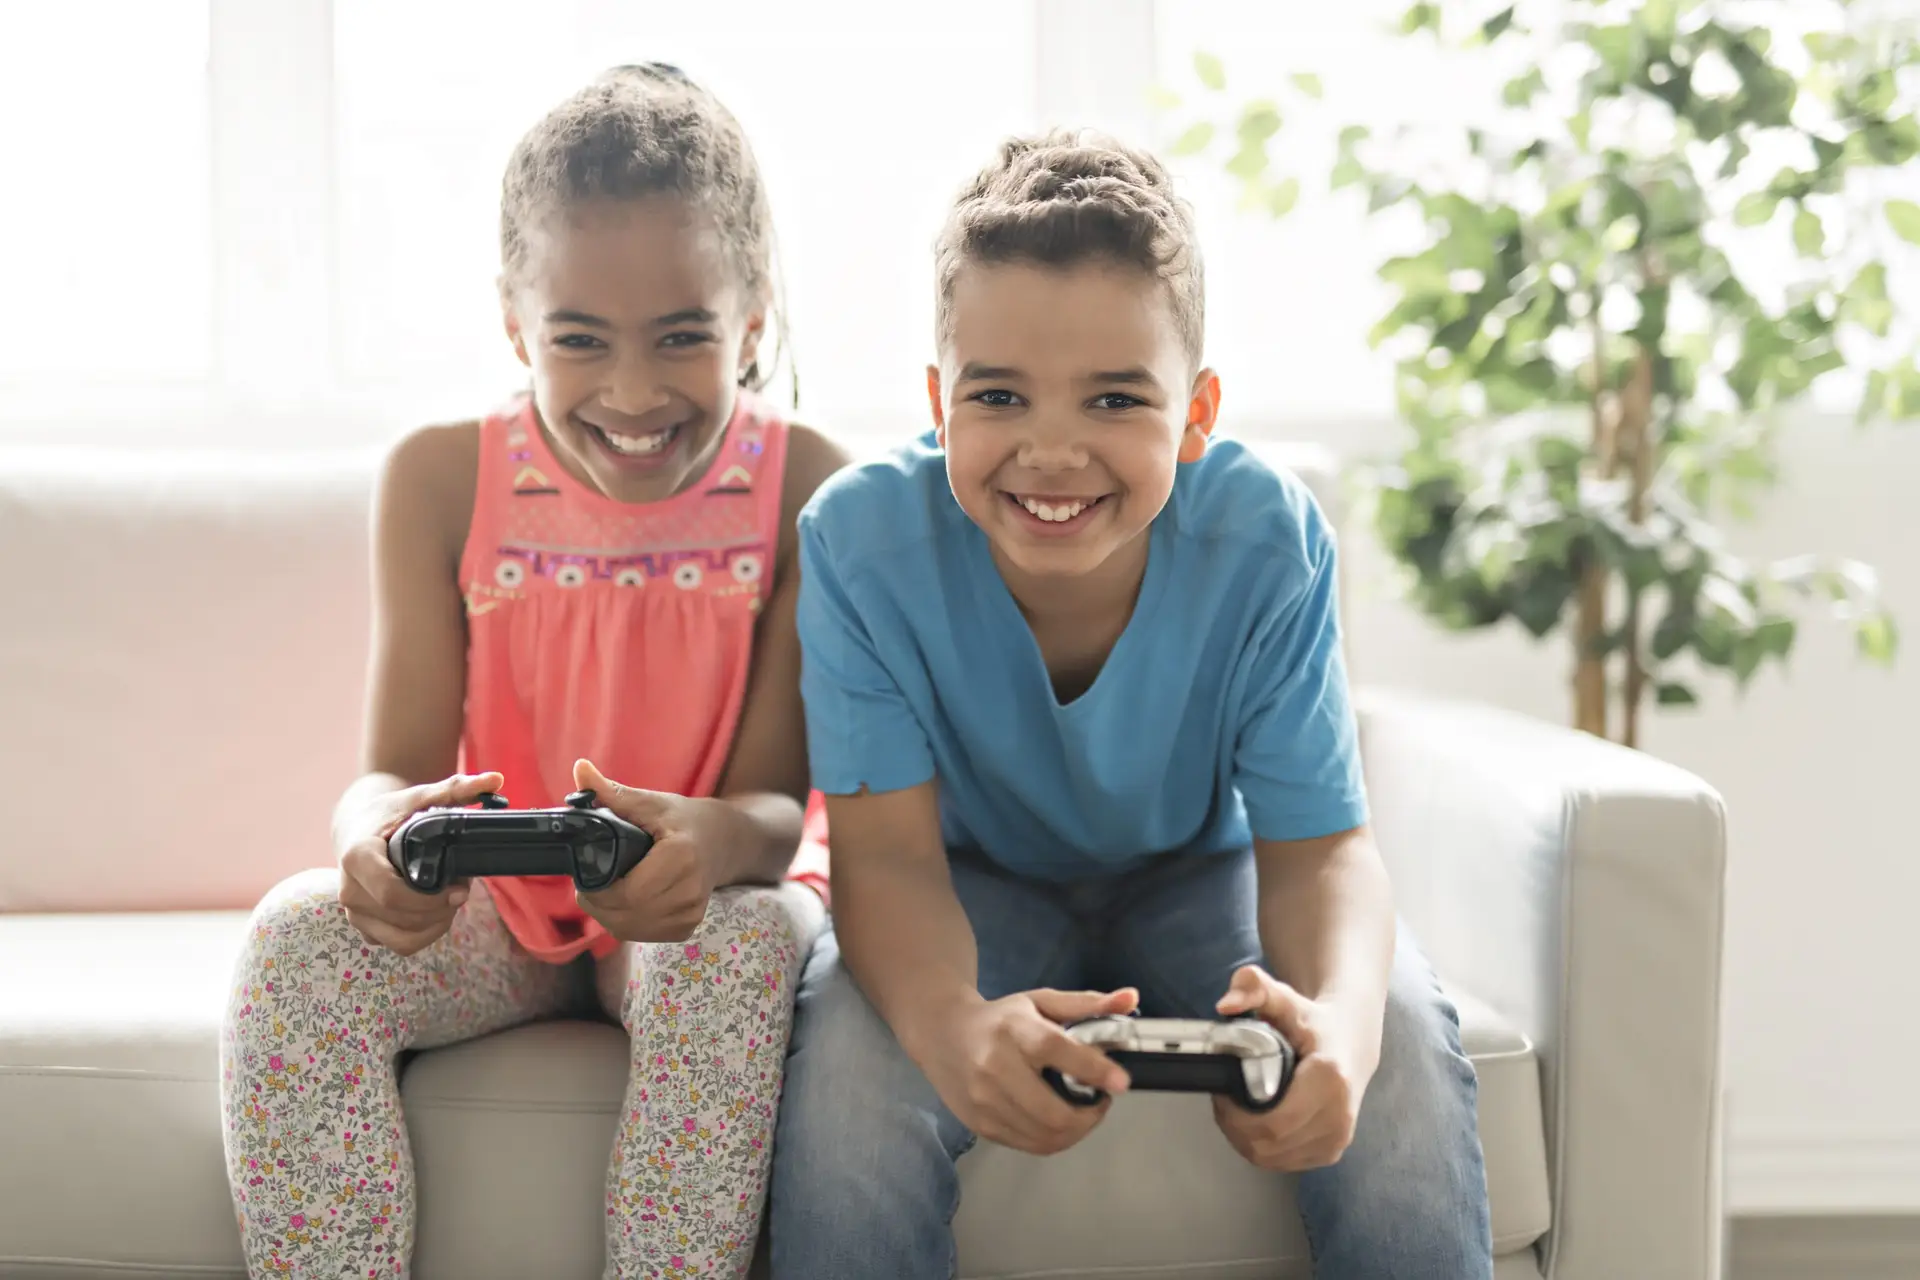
<point>1054,514</point>
<point>639,445</point>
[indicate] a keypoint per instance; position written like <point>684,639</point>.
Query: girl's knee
<point>299,921</point>
<point>779,924</point>
<point>302,907</point>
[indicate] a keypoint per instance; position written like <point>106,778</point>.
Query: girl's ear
<point>1203,411</point>
<point>510,319</point>
<point>756,329</point>
<point>939,408</point>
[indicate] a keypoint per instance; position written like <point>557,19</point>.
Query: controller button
<point>582,800</point>
<point>488,800</point>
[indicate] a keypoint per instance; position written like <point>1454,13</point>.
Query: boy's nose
<point>1053,451</point>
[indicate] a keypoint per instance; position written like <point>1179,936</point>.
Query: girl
<point>598,576</point>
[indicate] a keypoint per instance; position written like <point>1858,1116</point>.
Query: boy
<point>1075,696</point>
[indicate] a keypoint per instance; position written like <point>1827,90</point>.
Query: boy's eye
<point>685,338</point>
<point>1118,400</point>
<point>996,399</point>
<point>577,341</point>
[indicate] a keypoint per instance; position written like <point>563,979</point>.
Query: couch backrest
<point>182,658</point>
<point>182,638</point>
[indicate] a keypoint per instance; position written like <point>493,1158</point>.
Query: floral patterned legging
<point>317,1152</point>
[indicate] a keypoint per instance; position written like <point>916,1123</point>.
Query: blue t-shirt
<point>1221,714</point>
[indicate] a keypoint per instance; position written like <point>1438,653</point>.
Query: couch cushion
<point>109,1095</point>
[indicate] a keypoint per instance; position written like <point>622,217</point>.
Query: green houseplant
<point>1589,379</point>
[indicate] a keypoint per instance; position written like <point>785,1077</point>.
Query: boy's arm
<point>1327,927</point>
<point>763,792</point>
<point>903,934</point>
<point>1325,907</point>
<point>906,941</point>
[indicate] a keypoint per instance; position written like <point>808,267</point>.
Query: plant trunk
<point>1590,617</point>
<point>1634,450</point>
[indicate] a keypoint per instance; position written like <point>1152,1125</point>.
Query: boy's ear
<point>510,319</point>
<point>1203,410</point>
<point>938,406</point>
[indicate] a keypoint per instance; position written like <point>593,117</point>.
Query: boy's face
<point>1065,400</point>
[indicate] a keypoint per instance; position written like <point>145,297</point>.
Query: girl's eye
<point>996,399</point>
<point>1118,400</point>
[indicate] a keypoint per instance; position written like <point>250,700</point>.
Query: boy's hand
<point>1314,1123</point>
<point>387,910</point>
<point>664,899</point>
<point>987,1064</point>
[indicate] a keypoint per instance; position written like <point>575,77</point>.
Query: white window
<point>260,210</point>
<point>104,210</point>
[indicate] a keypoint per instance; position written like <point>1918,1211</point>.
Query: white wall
<point>1820,768</point>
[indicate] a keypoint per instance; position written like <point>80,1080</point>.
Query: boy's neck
<point>1092,599</point>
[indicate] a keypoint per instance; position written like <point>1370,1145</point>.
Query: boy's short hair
<point>1074,196</point>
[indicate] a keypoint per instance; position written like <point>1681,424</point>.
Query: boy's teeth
<point>653,442</point>
<point>1054,514</point>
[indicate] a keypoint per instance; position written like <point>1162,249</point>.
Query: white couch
<point>181,649</point>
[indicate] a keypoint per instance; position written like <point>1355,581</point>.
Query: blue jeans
<point>864,1183</point>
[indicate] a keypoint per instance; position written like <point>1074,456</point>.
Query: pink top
<point>616,631</point>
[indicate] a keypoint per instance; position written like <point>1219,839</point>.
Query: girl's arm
<point>416,675</point>
<point>766,784</point>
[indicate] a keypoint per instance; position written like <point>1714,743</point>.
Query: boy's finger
<point>1072,1006</point>
<point>1040,1115</point>
<point>1246,992</point>
<point>1046,1046</point>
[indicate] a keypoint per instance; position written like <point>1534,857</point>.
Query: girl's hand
<point>384,908</point>
<point>664,899</point>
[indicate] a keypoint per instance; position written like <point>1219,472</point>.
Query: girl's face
<point>636,331</point>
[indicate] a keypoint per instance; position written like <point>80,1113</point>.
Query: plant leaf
<point>1308,83</point>
<point>1259,120</point>
<point>1756,207</point>
<point>1809,233</point>
<point>1195,139</point>
<point>1904,217</point>
<point>1674,695</point>
<point>1284,195</point>
<point>1248,163</point>
<point>1212,72</point>
<point>1879,639</point>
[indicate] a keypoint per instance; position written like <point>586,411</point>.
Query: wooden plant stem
<point>1635,449</point>
<point>1590,618</point>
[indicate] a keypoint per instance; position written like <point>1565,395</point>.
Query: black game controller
<point>436,847</point>
<point>1242,1058</point>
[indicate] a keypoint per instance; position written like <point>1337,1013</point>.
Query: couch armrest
<point>1577,887</point>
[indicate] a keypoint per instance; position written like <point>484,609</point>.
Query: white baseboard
<point>1801,1173</point>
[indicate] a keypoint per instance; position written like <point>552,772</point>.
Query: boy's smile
<point>1064,399</point>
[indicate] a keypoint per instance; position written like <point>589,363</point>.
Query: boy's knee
<point>1420,1103</point>
<point>851,1085</point>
